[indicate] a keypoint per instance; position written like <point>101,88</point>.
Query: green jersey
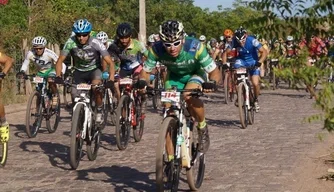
<point>192,58</point>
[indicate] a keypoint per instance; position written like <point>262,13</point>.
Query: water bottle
<point>105,75</point>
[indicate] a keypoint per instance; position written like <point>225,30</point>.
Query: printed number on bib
<point>38,79</point>
<point>125,81</point>
<point>170,97</point>
<point>83,86</point>
<point>241,70</point>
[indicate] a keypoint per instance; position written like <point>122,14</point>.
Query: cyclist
<point>187,61</point>
<point>248,48</point>
<point>7,62</point>
<point>231,52</point>
<point>86,52</point>
<point>127,49</point>
<point>290,47</point>
<point>44,59</point>
<point>150,40</point>
<point>103,37</point>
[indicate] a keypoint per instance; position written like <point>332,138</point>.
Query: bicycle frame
<point>85,101</point>
<point>242,78</point>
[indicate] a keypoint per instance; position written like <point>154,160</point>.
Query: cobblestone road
<point>262,157</point>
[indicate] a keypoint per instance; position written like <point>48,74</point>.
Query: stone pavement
<point>262,157</point>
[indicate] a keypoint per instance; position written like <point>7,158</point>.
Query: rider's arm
<point>111,64</point>
<point>208,64</point>
<point>149,65</point>
<point>26,62</point>
<point>263,53</point>
<point>62,57</point>
<point>6,61</point>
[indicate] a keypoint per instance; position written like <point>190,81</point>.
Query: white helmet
<point>102,36</point>
<point>221,38</point>
<point>202,38</point>
<point>289,38</point>
<point>39,41</point>
<point>151,38</point>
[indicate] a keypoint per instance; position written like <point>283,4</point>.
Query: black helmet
<point>240,34</point>
<point>171,30</point>
<point>124,30</point>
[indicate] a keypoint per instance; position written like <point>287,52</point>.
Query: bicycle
<point>128,114</point>
<point>245,97</point>
<point>178,128</point>
<point>83,126</point>
<point>158,84</point>
<point>39,107</point>
<point>273,79</point>
<point>229,84</point>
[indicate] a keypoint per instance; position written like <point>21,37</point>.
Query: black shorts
<point>86,76</point>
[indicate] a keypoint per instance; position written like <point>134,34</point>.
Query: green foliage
<point>287,17</point>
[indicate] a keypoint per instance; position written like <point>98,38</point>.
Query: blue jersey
<point>249,52</point>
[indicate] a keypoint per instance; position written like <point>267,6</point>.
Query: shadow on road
<point>287,95</point>
<point>123,178</point>
<point>227,124</point>
<point>57,153</point>
<point>21,130</point>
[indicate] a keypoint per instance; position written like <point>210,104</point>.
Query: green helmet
<point>93,33</point>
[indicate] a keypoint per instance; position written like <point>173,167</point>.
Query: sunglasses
<point>82,34</point>
<point>175,44</point>
<point>38,48</point>
<point>227,37</point>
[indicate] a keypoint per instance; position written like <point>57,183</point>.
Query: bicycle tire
<point>241,105</point>
<point>53,112</point>
<point>138,130</point>
<point>33,130</point>
<point>251,112</point>
<point>162,165</point>
<point>195,180</point>
<point>273,79</point>
<point>4,154</point>
<point>122,124</point>
<point>76,140</point>
<point>93,145</point>
<point>226,87</point>
<point>156,99</point>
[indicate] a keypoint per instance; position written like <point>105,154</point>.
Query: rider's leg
<point>4,126</point>
<point>255,78</point>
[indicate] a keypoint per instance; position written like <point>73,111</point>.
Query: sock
<point>201,125</point>
<point>170,157</point>
<point>3,121</point>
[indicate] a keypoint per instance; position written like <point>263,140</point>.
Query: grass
<point>9,91</point>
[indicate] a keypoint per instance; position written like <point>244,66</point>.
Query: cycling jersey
<point>316,46</point>
<point>192,57</point>
<point>85,57</point>
<point>43,62</point>
<point>131,53</point>
<point>291,50</point>
<point>233,53</point>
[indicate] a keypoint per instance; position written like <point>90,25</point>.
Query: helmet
<point>151,38</point>
<point>228,32</point>
<point>171,30</point>
<point>102,36</point>
<point>289,38</point>
<point>202,38</point>
<point>82,26</point>
<point>241,34</point>
<point>213,41</point>
<point>192,34</point>
<point>39,41</point>
<point>124,30</point>
<point>221,38</point>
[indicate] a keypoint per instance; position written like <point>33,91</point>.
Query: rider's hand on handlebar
<point>2,75</point>
<point>110,84</point>
<point>59,80</point>
<point>20,75</point>
<point>258,64</point>
<point>209,86</point>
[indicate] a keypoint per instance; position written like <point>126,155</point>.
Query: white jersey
<point>45,61</point>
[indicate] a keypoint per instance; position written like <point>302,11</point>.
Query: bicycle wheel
<point>242,106</point>
<point>251,112</point>
<point>233,87</point>
<point>138,129</point>
<point>76,140</point>
<point>156,99</point>
<point>273,79</point>
<point>123,123</point>
<point>34,114</point>
<point>226,86</point>
<point>167,172</point>
<point>93,145</point>
<point>3,153</point>
<point>53,117</point>
<point>195,174</point>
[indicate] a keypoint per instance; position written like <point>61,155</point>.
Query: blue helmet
<point>82,26</point>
